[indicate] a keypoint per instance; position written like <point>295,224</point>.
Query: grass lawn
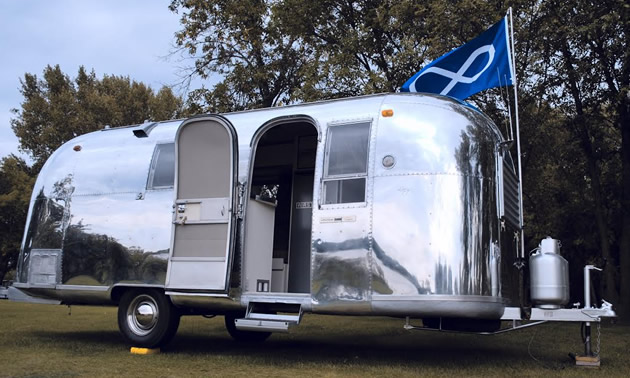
<point>44,340</point>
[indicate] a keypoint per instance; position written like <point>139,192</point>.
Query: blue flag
<point>483,63</point>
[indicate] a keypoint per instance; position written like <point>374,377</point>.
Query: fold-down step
<point>270,317</point>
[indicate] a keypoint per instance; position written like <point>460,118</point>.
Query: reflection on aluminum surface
<point>118,239</point>
<point>341,269</point>
<point>428,226</point>
<point>101,246</point>
<point>94,207</point>
<point>435,210</point>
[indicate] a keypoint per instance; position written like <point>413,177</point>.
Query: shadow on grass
<point>104,339</point>
<point>435,351</point>
<point>429,350</point>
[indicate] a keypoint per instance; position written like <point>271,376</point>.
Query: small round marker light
<point>389,161</point>
<point>77,148</point>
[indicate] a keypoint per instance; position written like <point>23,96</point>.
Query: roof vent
<point>143,130</point>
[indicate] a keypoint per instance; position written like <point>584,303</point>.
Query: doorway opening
<point>277,253</point>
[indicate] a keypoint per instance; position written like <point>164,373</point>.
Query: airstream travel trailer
<point>402,205</point>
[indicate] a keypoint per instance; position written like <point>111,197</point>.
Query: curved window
<point>162,172</point>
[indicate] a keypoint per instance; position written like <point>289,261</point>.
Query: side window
<point>345,168</point>
<point>162,172</point>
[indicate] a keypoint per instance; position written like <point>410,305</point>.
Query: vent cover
<point>44,266</point>
<point>510,209</point>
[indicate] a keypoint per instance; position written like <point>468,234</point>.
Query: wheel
<point>147,318</point>
<point>245,336</point>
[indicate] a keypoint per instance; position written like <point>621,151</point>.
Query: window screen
<point>346,163</point>
<point>162,173</point>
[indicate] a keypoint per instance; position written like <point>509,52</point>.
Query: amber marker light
<point>387,113</point>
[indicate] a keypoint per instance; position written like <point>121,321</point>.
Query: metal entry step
<point>270,317</point>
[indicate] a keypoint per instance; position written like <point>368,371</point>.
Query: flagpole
<point>518,138</point>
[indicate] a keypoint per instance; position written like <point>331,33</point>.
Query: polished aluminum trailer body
<point>431,235</point>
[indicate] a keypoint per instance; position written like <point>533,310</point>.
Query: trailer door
<point>201,253</point>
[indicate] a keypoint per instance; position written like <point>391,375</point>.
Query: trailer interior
<point>278,229</point>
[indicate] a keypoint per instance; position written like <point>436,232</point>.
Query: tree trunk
<point>4,266</point>
<point>582,131</point>
<point>623,112</point>
<point>624,247</point>
<point>610,287</point>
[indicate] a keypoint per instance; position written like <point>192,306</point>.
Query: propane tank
<point>549,276</point>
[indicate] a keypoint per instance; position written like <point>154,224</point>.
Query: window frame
<point>152,167</point>
<point>347,176</point>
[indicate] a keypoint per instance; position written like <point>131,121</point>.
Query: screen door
<point>205,182</point>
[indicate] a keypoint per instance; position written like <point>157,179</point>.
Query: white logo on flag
<point>458,77</point>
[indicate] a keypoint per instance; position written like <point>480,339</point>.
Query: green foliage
<point>16,184</point>
<point>576,69</point>
<point>277,52</point>
<point>57,108</point>
<point>372,46</point>
<point>241,41</point>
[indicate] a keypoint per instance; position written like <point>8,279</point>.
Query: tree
<point>372,46</point>
<point>242,42</point>
<point>278,52</point>
<point>16,183</point>
<point>581,68</point>
<point>58,108</point>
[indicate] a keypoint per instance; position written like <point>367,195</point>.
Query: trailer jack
<point>585,315</point>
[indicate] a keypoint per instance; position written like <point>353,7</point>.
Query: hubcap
<point>142,315</point>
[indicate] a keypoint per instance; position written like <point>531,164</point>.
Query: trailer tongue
<point>549,281</point>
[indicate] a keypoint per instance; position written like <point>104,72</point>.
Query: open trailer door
<point>201,253</point>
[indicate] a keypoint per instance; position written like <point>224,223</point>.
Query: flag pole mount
<point>518,138</point>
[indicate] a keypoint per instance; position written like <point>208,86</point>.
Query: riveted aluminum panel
<point>93,205</point>
<point>435,223</point>
<point>117,238</point>
<point>341,272</point>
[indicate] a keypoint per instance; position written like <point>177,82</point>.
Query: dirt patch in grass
<point>44,340</point>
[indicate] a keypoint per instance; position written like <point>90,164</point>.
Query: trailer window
<point>345,170</point>
<point>162,172</point>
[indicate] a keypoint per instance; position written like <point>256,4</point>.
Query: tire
<point>243,336</point>
<point>147,318</point>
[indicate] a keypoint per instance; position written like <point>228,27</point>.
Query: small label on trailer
<point>348,218</point>
<point>304,205</point>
